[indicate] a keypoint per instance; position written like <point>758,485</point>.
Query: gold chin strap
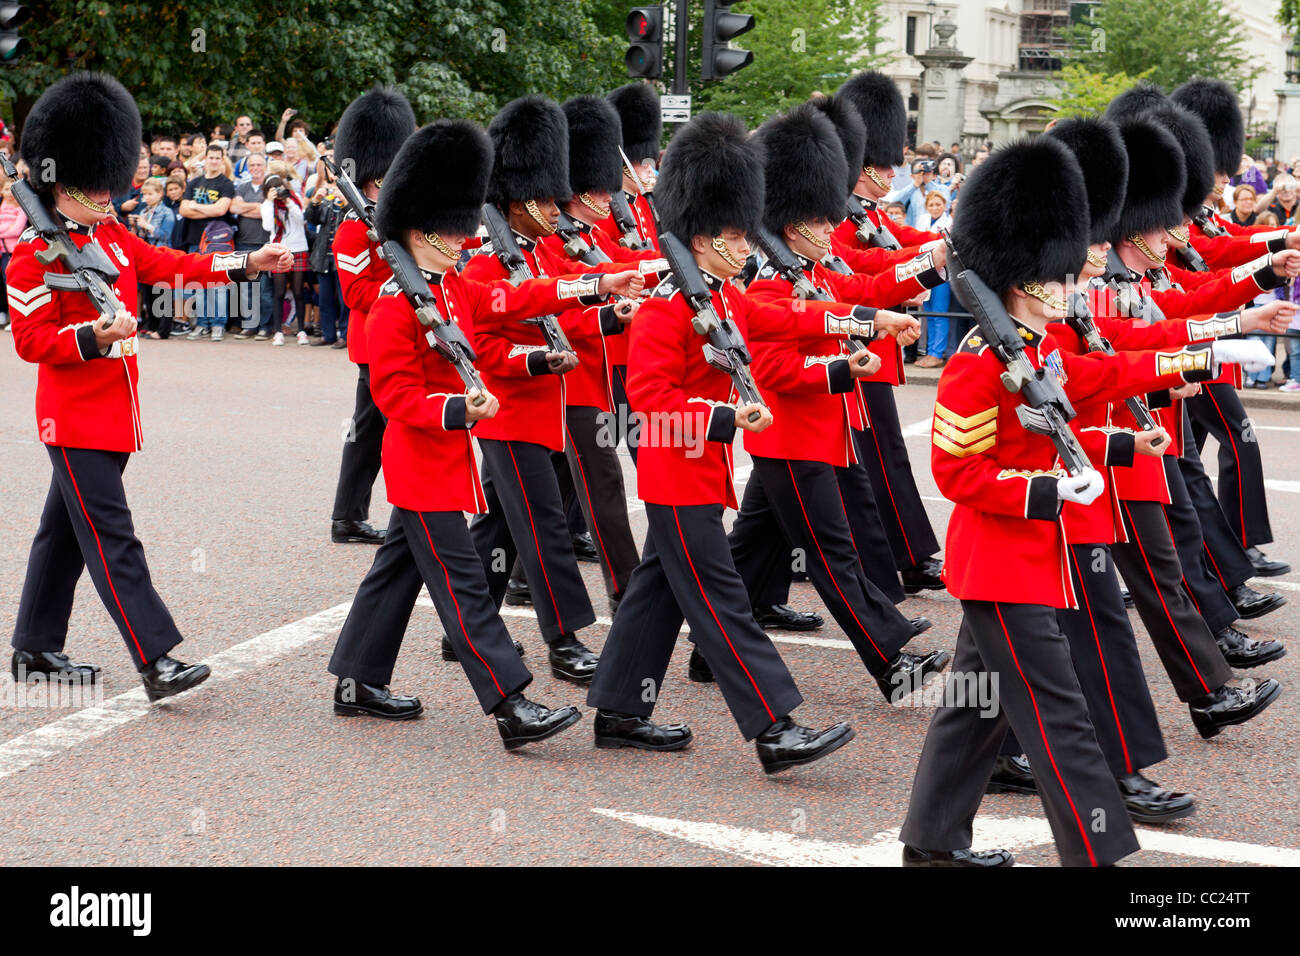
<point>379,182</point>
<point>1179,234</point>
<point>597,208</point>
<point>721,248</point>
<point>538,218</point>
<point>1095,259</point>
<point>78,196</point>
<point>435,240</point>
<point>1042,295</point>
<point>1143,248</point>
<point>802,228</point>
<point>1218,191</point>
<point>875,177</point>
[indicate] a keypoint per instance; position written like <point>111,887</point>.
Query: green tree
<point>190,66</point>
<point>1168,41</point>
<point>1085,93</point>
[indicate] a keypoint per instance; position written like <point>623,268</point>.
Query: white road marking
<point>77,728</point>
<point>917,428</point>
<point>776,848</point>
<point>1273,484</point>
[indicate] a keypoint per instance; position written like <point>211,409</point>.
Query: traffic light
<point>720,25</point>
<point>12,46</point>
<point>645,28</point>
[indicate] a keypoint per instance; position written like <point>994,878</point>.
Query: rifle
<point>1045,409</point>
<point>1191,259</point>
<point>626,222</point>
<point>89,268</point>
<point>725,350</point>
<point>633,175</point>
<point>576,247</point>
<point>507,251</point>
<point>868,232</point>
<point>1129,301</point>
<point>1080,319</point>
<point>1205,222</point>
<point>446,337</point>
<point>784,261</point>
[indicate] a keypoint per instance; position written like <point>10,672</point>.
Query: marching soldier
<point>86,130</point>
<point>525,514</point>
<point>806,472</point>
<point>1023,228</point>
<point>430,204</point>
<point>371,131</point>
<point>881,106</point>
<point>710,197</point>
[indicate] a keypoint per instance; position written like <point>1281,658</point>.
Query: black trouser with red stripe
<point>1223,550</point>
<point>623,428</point>
<point>758,541</point>
<point>433,549</point>
<point>598,484</point>
<point>1154,576</point>
<point>87,524</point>
<point>802,498</point>
<point>1038,696</point>
<point>686,568</point>
<point>361,452</point>
<point>883,452</point>
<point>1218,411</point>
<point>1199,580</point>
<point>525,518</point>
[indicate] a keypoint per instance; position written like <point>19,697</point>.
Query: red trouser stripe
<point>546,578</point>
<point>1150,573</point>
<point>687,551</point>
<point>130,630</point>
<point>889,489</point>
<point>1241,478</point>
<point>1105,672</point>
<point>459,620</point>
<point>813,534</point>
<point>1083,831</point>
<point>591,510</point>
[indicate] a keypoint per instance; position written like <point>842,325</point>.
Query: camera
<point>925,166</point>
<point>273,182</point>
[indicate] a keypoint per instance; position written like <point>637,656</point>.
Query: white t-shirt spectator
<point>295,236</point>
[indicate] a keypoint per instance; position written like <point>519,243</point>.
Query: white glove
<point>1251,354</point>
<point>1084,488</point>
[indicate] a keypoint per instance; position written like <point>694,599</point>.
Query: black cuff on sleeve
<point>839,377</point>
<point>1267,279</point>
<point>1160,399</point>
<point>537,364</point>
<point>241,275</point>
<point>609,323</point>
<point>930,278</point>
<point>86,343</point>
<point>864,313</point>
<point>1121,447</point>
<point>1276,244</point>
<point>1041,501</point>
<point>453,413</point>
<point>722,424</point>
<point>596,299</point>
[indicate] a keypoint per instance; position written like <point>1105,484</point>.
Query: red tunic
<point>85,400</point>
<point>361,273</point>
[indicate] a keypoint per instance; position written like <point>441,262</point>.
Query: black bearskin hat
<point>371,131</point>
<point>84,132</point>
<point>595,134</point>
<point>853,134</point>
<point>1097,146</point>
<point>803,168</point>
<point>712,179</point>
<point>1023,215</point>
<point>437,181</point>
<point>638,109</point>
<point>530,139</point>
<point>1198,155</point>
<point>1136,102</point>
<point>880,104</point>
<point>1215,103</point>
<point>1157,178</point>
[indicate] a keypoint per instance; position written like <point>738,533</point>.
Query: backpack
<point>218,236</point>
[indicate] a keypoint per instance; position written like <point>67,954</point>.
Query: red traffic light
<point>645,23</point>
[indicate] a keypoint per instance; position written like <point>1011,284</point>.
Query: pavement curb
<point>1250,397</point>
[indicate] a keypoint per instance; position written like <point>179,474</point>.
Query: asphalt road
<point>231,498</point>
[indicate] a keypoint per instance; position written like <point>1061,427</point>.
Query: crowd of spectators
<point>232,190</point>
